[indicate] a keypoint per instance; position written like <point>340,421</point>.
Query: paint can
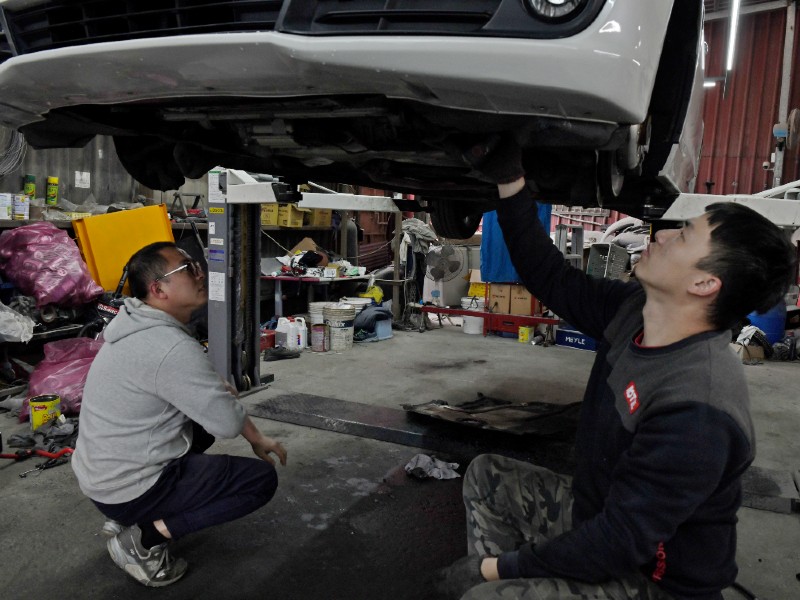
<point>472,325</point>
<point>339,318</point>
<point>44,408</point>
<point>319,337</point>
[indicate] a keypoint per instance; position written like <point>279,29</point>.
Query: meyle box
<point>566,335</point>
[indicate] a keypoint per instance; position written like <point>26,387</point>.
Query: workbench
<point>300,279</point>
<point>491,321</point>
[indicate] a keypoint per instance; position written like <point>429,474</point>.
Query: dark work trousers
<point>199,490</point>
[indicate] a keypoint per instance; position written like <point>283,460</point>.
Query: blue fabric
<point>495,259</point>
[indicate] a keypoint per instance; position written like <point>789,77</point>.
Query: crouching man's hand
<point>262,445</point>
<point>266,446</point>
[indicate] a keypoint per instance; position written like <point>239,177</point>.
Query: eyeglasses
<point>192,266</point>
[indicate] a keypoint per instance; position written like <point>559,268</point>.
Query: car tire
<point>610,178</point>
<point>454,219</point>
<point>150,161</point>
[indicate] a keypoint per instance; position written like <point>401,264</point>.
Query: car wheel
<point>610,177</point>
<point>150,161</point>
<point>455,219</point>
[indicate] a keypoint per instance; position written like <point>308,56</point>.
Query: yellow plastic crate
<point>108,241</point>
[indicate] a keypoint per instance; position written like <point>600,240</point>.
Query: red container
<point>267,339</point>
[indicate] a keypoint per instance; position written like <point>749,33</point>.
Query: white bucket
<point>359,303</point>
<point>472,325</point>
<point>339,319</point>
<point>315,312</point>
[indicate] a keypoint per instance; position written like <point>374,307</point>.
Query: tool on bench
<point>53,462</point>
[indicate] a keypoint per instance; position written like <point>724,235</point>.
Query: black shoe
<point>280,353</point>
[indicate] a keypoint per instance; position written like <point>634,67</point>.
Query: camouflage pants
<point>510,503</point>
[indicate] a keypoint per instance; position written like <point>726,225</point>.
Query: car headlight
<point>554,10</point>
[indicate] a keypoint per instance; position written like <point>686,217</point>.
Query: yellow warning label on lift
<point>216,210</point>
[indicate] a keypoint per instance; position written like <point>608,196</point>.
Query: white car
<point>370,92</point>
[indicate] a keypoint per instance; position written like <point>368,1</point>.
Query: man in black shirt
<point>665,430</point>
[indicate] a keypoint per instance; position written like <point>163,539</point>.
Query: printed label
<point>632,396</point>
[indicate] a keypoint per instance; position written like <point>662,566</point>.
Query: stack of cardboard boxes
<point>289,215</point>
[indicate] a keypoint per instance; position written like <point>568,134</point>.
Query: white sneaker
<point>111,528</point>
<point>153,567</point>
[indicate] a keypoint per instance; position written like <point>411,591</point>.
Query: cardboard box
<point>6,206</point>
<point>290,216</point>
<point>309,245</point>
<point>269,214</point>
<point>477,288</point>
<point>499,298</point>
<point>752,352</point>
<point>22,207</point>
<point>319,217</point>
<point>523,302</point>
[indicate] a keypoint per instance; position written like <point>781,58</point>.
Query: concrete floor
<point>346,521</point>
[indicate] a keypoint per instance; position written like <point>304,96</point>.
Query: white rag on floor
<point>423,466</point>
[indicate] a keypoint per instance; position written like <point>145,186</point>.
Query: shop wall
<point>109,182</point>
<point>738,127</point>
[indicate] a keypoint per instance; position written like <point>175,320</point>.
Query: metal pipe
<point>786,86</point>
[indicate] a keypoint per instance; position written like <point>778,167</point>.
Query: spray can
<point>52,191</point>
<point>29,186</point>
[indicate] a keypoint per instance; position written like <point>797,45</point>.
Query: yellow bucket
<point>44,409</point>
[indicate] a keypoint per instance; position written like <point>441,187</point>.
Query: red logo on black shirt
<point>632,396</point>
<point>661,562</point>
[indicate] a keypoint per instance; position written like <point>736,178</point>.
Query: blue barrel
<point>772,322</point>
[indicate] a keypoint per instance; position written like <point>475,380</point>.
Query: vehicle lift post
<point>234,271</point>
<point>234,263</point>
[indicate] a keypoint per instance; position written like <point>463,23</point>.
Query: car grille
<point>68,23</point>
<point>507,18</point>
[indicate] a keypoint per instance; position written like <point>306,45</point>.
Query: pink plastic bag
<point>62,372</point>
<point>44,262</point>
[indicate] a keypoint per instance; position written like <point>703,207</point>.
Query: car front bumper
<point>603,74</point>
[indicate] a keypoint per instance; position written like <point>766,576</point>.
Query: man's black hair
<point>752,257</point>
<point>145,266</point>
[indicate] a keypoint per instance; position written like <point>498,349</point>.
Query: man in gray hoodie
<point>151,405</point>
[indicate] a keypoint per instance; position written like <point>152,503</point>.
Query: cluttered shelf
<point>201,225</point>
<point>311,280</point>
<point>502,322</point>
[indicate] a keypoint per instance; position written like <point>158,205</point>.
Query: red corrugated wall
<point>738,128</point>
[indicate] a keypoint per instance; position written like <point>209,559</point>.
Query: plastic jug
<point>301,331</point>
<point>286,335</point>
